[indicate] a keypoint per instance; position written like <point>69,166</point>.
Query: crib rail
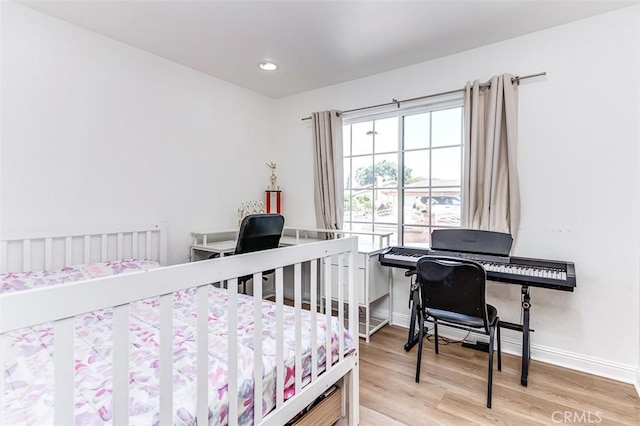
<point>61,303</point>
<point>50,252</point>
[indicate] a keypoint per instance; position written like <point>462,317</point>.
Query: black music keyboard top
<point>544,273</point>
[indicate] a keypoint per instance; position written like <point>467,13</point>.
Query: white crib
<point>121,295</point>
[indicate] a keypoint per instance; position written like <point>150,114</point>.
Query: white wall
<point>578,160</point>
<point>95,132</point>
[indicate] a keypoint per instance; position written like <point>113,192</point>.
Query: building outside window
<point>403,171</point>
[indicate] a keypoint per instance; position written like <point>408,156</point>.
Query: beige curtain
<point>327,167</point>
<point>491,194</point>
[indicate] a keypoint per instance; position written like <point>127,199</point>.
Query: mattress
<point>29,363</point>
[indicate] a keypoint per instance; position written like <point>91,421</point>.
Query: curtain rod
<point>397,102</point>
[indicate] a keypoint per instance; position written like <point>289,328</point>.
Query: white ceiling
<point>316,43</point>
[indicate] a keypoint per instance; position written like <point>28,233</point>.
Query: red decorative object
<point>269,193</point>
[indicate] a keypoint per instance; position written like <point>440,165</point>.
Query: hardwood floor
<point>452,389</point>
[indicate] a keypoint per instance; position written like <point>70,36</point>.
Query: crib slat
<point>4,261</point>
<point>328,306</point>
<point>297,304</point>
<point>63,376</point>
<point>48,254</point>
<point>257,347</point>
<point>121,365</point>
<point>280,369</point>
<point>26,255</point>
<point>340,307</point>
<point>313,288</point>
<point>104,248</point>
<point>119,252</point>
<point>232,289</point>
<point>134,245</point>
<point>162,242</point>
<point>166,359</point>
<point>87,249</point>
<point>202,334</point>
<point>148,246</point>
<point>353,378</point>
<point>68,250</point>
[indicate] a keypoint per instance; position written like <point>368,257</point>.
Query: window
<point>403,171</point>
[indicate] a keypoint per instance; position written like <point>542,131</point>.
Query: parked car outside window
<point>421,204</point>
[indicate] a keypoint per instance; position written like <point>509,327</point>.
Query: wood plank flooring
<point>452,389</point>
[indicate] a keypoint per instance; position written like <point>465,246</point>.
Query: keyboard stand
<point>526,333</point>
<point>416,315</point>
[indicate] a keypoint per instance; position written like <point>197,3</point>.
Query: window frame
<point>398,226</point>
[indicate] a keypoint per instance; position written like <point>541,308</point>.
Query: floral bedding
<point>29,364</point>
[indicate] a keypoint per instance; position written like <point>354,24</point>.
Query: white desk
<point>199,248</point>
<point>373,281</point>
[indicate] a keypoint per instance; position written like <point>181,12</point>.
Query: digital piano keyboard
<point>491,250</point>
<point>557,275</point>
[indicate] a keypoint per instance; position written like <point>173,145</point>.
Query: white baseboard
<point>401,320</point>
<point>574,361</point>
<point>588,364</point>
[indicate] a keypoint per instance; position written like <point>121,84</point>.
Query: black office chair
<point>258,232</point>
<point>453,293</point>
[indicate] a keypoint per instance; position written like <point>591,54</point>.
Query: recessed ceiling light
<point>268,66</point>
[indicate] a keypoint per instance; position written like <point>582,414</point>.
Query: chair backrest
<point>259,232</point>
<point>453,285</point>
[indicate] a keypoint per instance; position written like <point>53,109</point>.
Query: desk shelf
<point>373,284</point>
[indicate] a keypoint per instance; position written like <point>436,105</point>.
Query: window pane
<point>416,168</point>
<point>446,167</point>
<point>347,205</point>
<point>446,206</point>
<point>362,205</point>
<point>416,236</point>
<point>386,202</point>
<point>386,135</point>
<point>416,131</point>
<point>386,170</point>
<point>362,138</point>
<point>362,171</point>
<point>446,127</point>
<point>417,207</point>
<point>347,172</point>
<point>362,227</point>
<point>346,140</point>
